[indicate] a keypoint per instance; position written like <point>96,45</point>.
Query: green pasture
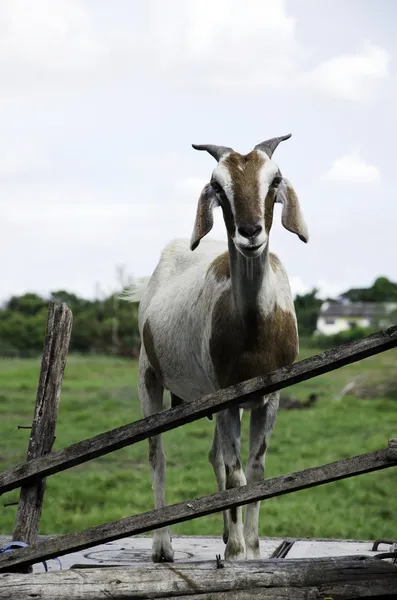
<point>99,393</point>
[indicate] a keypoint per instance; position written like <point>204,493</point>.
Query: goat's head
<point>246,188</point>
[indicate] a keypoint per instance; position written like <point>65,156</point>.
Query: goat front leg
<point>228,426</point>
<point>262,421</point>
<point>151,397</point>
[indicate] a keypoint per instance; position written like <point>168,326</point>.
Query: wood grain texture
<point>348,577</point>
<point>174,417</point>
<point>56,343</point>
<point>185,511</point>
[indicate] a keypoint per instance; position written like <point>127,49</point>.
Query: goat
<point>220,315</point>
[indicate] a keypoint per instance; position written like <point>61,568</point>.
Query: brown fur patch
<point>244,171</point>
<point>269,209</point>
<point>148,342</point>
<point>263,344</point>
<point>220,267</point>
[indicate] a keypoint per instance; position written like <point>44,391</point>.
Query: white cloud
<point>191,44</point>
<point>219,42</point>
<point>351,77</point>
<point>298,286</point>
<point>225,43</point>
<point>351,168</point>
<point>326,289</point>
<point>50,37</point>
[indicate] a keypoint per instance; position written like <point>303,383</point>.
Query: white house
<point>335,317</point>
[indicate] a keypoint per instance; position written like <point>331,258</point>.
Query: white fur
<point>221,174</point>
<point>266,175</point>
<point>178,302</point>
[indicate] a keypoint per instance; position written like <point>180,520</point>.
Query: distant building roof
<point>353,309</point>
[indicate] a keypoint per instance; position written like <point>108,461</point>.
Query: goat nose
<point>250,231</point>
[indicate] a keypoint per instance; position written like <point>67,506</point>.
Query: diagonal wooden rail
<point>174,417</point>
<point>185,511</point>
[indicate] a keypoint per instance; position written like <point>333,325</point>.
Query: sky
<point>100,102</point>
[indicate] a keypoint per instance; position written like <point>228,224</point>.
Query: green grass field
<point>100,393</point>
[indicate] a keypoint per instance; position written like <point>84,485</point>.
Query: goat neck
<point>251,282</point>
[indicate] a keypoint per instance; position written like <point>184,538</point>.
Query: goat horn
<point>216,151</point>
<point>269,146</point>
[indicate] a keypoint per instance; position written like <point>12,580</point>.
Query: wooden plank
<point>350,577</point>
<point>174,417</point>
<point>56,343</point>
<point>192,509</point>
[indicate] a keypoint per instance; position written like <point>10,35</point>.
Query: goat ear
<point>204,217</point>
<point>291,216</point>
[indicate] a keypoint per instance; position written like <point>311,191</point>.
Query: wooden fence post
<point>59,326</point>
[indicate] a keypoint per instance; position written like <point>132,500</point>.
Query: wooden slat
<point>56,343</point>
<point>350,577</point>
<point>192,509</point>
<point>191,411</point>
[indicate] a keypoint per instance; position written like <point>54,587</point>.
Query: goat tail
<point>135,291</point>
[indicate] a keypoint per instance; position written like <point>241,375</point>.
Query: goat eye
<point>276,181</point>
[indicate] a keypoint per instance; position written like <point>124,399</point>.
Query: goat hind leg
<point>151,397</point>
<point>262,421</point>
<point>216,459</point>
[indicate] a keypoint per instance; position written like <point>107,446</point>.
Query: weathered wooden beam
<point>56,343</point>
<point>185,511</point>
<point>275,579</point>
<point>174,417</point>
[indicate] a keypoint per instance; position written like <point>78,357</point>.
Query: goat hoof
<point>253,554</point>
<point>235,550</point>
<point>225,538</point>
<point>162,551</point>
<point>253,549</point>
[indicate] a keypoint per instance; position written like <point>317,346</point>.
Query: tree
<point>27,304</point>
<point>382,290</point>
<point>76,304</point>
<point>307,307</point>
<point>105,326</point>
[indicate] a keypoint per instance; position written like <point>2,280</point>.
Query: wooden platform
<point>137,550</point>
<point>288,570</point>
